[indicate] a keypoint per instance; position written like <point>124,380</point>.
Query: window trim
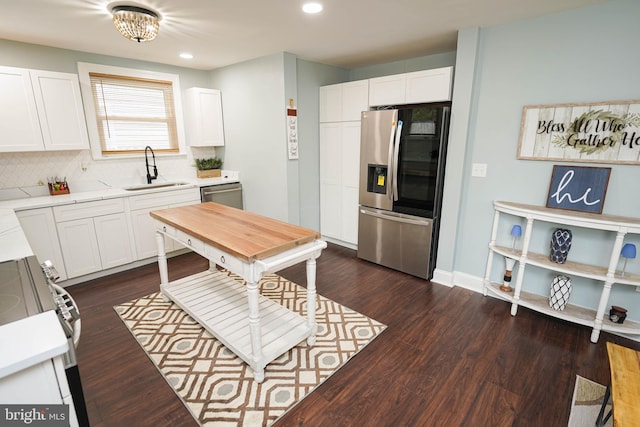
<point>85,68</point>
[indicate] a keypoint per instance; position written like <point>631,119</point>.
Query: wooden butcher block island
<point>255,328</point>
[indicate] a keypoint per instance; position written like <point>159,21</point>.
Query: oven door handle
<point>76,326</point>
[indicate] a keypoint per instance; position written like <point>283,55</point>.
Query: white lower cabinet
<point>143,225</point>
<point>40,228</point>
<point>80,247</point>
<point>93,236</point>
<point>87,237</point>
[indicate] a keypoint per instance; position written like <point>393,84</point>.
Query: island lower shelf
<point>219,303</point>
<point>571,313</point>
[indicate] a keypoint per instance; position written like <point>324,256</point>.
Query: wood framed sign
<point>602,132</point>
<point>578,188</point>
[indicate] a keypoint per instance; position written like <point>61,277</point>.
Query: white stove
<point>28,288</point>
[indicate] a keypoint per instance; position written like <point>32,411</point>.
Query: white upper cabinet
<point>344,102</point>
<point>19,124</point>
<point>204,117</point>
<point>412,88</point>
<point>41,110</point>
<point>60,110</point>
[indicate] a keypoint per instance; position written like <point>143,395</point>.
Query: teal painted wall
<point>585,55</point>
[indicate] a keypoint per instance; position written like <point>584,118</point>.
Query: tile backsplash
<point>29,169</point>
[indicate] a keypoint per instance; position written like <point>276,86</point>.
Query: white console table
<point>256,329</point>
<point>617,226</point>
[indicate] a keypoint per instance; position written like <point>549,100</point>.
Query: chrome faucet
<point>146,162</point>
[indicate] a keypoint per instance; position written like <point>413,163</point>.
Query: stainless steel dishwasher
<point>225,194</point>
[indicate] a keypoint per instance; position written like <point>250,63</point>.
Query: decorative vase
<point>509,265</point>
<point>560,245</point>
<point>560,292</point>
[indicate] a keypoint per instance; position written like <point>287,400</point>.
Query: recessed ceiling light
<point>312,8</point>
<point>186,55</point>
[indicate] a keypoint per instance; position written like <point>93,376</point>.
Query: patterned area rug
<point>586,403</point>
<point>218,387</point>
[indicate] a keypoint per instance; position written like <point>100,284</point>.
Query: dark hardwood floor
<point>449,356</point>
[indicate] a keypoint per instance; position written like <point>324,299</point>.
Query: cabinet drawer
<point>190,241</point>
<point>87,209</point>
<point>167,229</point>
<point>224,260</point>
<point>165,198</point>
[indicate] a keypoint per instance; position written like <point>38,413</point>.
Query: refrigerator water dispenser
<point>377,179</point>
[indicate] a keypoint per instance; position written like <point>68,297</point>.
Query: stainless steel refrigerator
<point>402,161</point>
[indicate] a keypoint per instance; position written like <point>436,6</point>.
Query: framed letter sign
<point>578,188</point>
<point>595,132</point>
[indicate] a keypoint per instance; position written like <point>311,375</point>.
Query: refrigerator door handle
<point>396,152</point>
<point>393,217</point>
<point>390,161</point>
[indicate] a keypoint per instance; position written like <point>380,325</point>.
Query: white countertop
<point>37,197</point>
<point>14,244</point>
<point>32,340</point>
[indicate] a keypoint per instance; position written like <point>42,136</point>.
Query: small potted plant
<point>208,168</point>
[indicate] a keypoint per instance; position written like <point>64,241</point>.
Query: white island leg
<point>255,331</point>
<point>311,300</point>
<point>162,264</point>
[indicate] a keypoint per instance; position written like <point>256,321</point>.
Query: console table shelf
<point>596,318</point>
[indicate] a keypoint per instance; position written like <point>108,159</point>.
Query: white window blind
<point>132,113</point>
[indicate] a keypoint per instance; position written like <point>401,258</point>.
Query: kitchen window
<point>129,109</point>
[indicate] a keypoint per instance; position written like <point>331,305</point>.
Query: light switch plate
<point>479,170</point>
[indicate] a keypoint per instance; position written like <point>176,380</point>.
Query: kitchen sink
<point>156,185</point>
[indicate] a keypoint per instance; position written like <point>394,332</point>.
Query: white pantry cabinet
<point>41,110</point>
<point>339,178</point>
<point>341,106</point>
<point>93,236</point>
<point>204,117</point>
<point>344,102</point>
<point>412,88</point>
<point>40,228</point>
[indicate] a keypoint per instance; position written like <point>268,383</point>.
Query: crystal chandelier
<point>136,23</point>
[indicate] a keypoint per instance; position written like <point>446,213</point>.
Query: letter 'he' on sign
<point>578,188</point>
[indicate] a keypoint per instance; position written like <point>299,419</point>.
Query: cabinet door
<point>387,90</point>
<point>19,124</point>
<point>330,103</point>
<point>349,186</point>
<point>40,228</point>
<point>330,176</point>
<point>114,242</point>
<point>429,86</point>
<point>60,110</point>
<point>34,385</point>
<point>355,100</point>
<point>79,247</point>
<point>204,117</point>
<point>145,233</point>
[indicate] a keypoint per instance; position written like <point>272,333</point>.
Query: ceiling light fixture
<point>186,55</point>
<point>312,7</point>
<point>136,23</point>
